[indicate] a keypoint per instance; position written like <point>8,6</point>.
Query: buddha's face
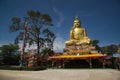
<point>77,24</point>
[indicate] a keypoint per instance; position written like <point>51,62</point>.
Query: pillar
<point>52,64</point>
<point>103,63</point>
<point>90,63</point>
<point>63,64</point>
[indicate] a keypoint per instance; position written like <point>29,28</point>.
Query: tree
<point>49,38</point>
<point>104,49</point>
<point>95,43</point>
<point>36,23</point>
<point>47,52</point>
<point>10,54</point>
<point>110,49</point>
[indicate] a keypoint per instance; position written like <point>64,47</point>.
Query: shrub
<point>34,68</point>
<point>23,68</point>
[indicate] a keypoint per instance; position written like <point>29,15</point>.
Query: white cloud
<point>27,46</point>
<point>61,17</point>
<point>59,44</point>
<point>4,43</point>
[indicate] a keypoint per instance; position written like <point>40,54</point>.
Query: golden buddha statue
<point>78,34</point>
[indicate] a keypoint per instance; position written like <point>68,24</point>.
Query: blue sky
<point>101,18</point>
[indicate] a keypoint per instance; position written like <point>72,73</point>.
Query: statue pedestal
<point>81,49</point>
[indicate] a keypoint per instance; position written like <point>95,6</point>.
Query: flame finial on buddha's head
<point>76,20</point>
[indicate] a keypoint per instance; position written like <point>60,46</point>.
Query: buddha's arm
<point>85,34</point>
<point>71,34</point>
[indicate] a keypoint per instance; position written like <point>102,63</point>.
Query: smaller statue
<point>78,34</point>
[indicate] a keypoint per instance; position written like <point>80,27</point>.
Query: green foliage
<point>36,25</point>
<point>15,25</point>
<point>110,49</point>
<point>47,51</point>
<point>95,43</point>
<point>23,68</point>
<point>34,68</point>
<point>9,54</point>
<point>49,38</point>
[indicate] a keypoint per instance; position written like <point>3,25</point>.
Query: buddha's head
<point>77,22</point>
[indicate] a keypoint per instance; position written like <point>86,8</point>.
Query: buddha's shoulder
<point>79,28</point>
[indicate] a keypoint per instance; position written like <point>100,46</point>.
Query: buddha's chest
<point>78,31</point>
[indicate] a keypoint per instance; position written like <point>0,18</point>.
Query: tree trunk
<point>38,47</point>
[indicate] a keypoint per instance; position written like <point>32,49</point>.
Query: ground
<point>61,74</point>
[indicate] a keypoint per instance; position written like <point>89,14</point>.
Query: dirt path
<point>61,74</point>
